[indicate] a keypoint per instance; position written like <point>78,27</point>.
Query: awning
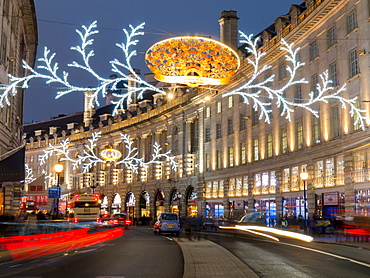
<point>12,165</point>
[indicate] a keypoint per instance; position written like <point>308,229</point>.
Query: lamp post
<point>304,178</point>
<point>58,168</point>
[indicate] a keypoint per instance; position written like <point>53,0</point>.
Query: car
<point>119,219</point>
<point>167,222</point>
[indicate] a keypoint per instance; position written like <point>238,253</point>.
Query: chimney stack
<point>229,29</point>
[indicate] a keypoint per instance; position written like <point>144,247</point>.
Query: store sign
<point>331,199</point>
<point>111,154</point>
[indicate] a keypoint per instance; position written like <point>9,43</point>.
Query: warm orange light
<point>111,154</point>
<point>193,61</point>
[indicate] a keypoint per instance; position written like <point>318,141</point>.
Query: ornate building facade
<point>18,42</point>
<point>230,160</point>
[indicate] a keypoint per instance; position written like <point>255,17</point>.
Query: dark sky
<point>57,21</point>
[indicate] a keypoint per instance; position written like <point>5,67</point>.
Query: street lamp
<point>58,168</point>
<point>304,178</point>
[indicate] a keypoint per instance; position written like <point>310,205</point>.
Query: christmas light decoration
<point>29,174</point>
<point>262,95</point>
<point>49,72</point>
<point>193,61</point>
<point>89,158</point>
<point>258,92</point>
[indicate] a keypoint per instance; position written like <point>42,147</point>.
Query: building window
<point>208,134</point>
<point>329,172</point>
<point>255,150</point>
<point>316,130</point>
<point>314,53</point>
<point>298,93</point>
<point>269,145</point>
<point>284,140</point>
<point>219,160</point>
<point>255,117</point>
<point>282,72</point>
<point>230,102</point>
<point>285,185</point>
<point>351,21</point>
<point>230,129</point>
<point>218,131</point>
<point>231,156</point>
<point>335,121</point>
<point>257,184</point>
<point>332,40</point>
<point>353,63</point>
<point>319,174</point>
<point>360,165</point>
<point>340,170</point>
<point>355,119</point>
<point>242,125</point>
<point>243,153</point>
<point>314,82</point>
<point>218,107</point>
<point>208,111</point>
<point>208,161</point>
<point>299,135</point>
<point>333,74</point>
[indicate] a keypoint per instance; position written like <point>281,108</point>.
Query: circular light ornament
<point>193,61</point>
<point>111,154</point>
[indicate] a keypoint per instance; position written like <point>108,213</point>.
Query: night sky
<point>57,21</point>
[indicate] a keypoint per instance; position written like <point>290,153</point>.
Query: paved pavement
<point>204,258</point>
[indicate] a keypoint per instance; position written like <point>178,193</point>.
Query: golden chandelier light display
<point>193,61</point>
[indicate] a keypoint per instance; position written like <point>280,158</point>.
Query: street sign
<point>54,192</point>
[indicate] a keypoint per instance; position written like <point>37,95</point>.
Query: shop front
<point>175,201</point>
<point>191,203</point>
<point>362,206</point>
<point>293,206</point>
<point>238,207</point>
<point>145,204</point>
<point>130,205</point>
<point>116,204</point>
<point>159,202</point>
<point>267,207</point>
<point>104,205</point>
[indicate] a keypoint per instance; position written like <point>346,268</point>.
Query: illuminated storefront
<point>130,204</point>
<point>145,204</point>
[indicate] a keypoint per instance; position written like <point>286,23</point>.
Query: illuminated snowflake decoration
<point>262,95</point>
<point>51,74</point>
<point>252,90</point>
<point>90,159</point>
<point>29,174</point>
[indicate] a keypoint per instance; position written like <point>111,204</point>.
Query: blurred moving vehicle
<point>120,219</point>
<point>85,207</point>
<point>254,218</point>
<point>167,222</point>
<point>115,220</point>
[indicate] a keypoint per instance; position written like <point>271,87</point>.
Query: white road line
<point>326,253</point>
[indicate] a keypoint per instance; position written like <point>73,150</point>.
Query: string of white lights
<point>90,159</point>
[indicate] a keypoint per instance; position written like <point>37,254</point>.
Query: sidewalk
<point>203,258</point>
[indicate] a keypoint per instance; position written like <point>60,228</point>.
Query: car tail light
<point>98,220</point>
<point>160,224</point>
<point>179,224</point>
<point>128,221</point>
<point>115,221</point>
<point>75,220</point>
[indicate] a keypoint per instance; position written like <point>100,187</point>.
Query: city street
<point>135,254</point>
<point>140,253</point>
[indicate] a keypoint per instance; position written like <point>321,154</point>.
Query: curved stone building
<point>230,160</point>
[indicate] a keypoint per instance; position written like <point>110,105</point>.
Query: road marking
<point>328,254</point>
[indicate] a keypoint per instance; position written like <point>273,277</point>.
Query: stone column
<point>350,194</point>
